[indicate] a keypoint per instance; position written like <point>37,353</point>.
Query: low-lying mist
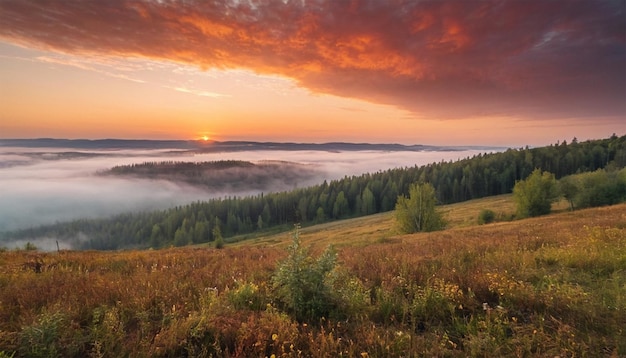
<point>43,186</point>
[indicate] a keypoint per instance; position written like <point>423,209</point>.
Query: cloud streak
<point>437,59</point>
<point>198,92</point>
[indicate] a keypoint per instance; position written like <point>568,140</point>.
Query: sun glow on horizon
<point>164,80</point>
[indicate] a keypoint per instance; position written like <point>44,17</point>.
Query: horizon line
<point>213,141</point>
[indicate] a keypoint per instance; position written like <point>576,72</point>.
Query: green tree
<point>535,194</point>
<point>368,202</point>
<point>569,188</point>
<point>217,235</point>
<point>29,246</point>
<point>156,236</point>
<point>181,237</point>
<point>200,233</point>
<point>341,207</point>
<point>320,216</point>
<point>418,212</point>
<point>265,214</point>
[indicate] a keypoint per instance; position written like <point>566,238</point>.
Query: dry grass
<point>548,286</point>
<point>379,228</point>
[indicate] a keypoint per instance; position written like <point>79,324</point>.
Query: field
<point>380,227</point>
<point>543,287</point>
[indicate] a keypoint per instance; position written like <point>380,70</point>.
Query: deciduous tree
<point>418,212</point>
<point>535,194</point>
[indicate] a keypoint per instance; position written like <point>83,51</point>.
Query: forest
<point>223,175</point>
<point>471,178</point>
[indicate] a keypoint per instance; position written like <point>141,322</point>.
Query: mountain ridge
<point>225,146</point>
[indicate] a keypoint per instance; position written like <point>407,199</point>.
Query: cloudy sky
<point>416,72</point>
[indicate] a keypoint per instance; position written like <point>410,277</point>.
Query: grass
<point>379,228</point>
<point>547,286</point>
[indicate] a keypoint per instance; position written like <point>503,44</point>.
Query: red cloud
<point>441,59</point>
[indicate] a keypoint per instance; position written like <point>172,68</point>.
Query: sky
<point>505,73</point>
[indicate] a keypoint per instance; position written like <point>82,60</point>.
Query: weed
<point>42,339</point>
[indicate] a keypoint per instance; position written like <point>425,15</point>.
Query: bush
<point>42,338</point>
<point>486,216</point>
<point>219,243</point>
<point>247,296</point>
<point>599,188</point>
<point>300,282</point>
<point>535,194</point>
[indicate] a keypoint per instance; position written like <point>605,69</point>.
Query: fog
<point>42,186</point>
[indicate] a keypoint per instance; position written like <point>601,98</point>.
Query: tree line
<point>223,175</point>
<point>470,178</point>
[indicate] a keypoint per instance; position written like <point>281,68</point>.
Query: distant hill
<point>227,146</point>
<point>225,175</point>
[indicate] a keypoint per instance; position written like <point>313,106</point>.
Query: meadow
<point>548,286</point>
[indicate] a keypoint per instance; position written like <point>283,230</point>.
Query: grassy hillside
<point>379,228</point>
<point>548,286</point>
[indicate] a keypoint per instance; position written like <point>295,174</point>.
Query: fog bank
<point>42,186</point>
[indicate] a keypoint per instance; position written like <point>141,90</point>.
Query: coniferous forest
<point>470,178</point>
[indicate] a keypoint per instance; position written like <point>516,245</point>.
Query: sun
<point>203,136</point>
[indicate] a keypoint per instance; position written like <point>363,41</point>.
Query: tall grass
<point>549,286</point>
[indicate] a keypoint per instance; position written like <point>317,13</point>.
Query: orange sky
<point>492,72</point>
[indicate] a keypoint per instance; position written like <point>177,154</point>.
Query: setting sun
<point>317,74</point>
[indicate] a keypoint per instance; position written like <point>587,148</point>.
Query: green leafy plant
<point>41,339</point>
<point>247,296</point>
<point>300,281</point>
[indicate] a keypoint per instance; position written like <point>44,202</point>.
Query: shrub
<point>219,243</point>
<point>42,338</point>
<point>600,188</point>
<point>107,332</point>
<point>300,281</point>
<point>247,296</point>
<point>486,216</point>
<point>350,295</point>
